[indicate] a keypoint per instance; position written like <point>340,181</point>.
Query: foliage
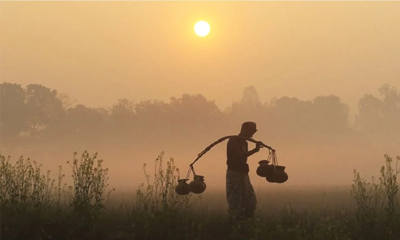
<point>88,192</point>
<point>37,115</point>
<point>377,211</point>
<point>90,182</point>
<point>13,110</point>
<point>380,114</point>
<point>160,195</point>
<point>32,207</point>
<point>35,206</point>
<point>27,197</point>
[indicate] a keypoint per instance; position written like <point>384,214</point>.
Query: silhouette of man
<point>239,191</point>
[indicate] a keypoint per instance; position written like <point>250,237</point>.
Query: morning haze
<point>139,81</point>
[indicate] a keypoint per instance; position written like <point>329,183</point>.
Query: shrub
<point>377,205</point>
<point>159,193</point>
<point>87,197</point>
<point>26,196</point>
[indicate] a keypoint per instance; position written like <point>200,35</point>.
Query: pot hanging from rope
<point>273,173</point>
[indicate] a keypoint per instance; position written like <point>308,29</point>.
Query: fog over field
<point>130,80</point>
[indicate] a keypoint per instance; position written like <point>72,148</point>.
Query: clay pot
<point>183,187</point>
<point>271,177</point>
<point>197,185</point>
<point>264,169</point>
<point>278,176</point>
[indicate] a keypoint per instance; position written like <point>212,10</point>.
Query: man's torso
<point>236,155</point>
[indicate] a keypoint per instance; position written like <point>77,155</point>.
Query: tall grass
<point>28,198</point>
<point>377,203</point>
<point>35,206</point>
<point>158,193</point>
<point>87,195</point>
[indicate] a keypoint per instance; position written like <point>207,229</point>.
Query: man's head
<point>248,129</point>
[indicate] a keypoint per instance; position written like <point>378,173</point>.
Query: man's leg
<point>234,193</point>
<point>250,200</point>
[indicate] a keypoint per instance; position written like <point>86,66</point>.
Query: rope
<point>274,158</point>
<point>188,173</point>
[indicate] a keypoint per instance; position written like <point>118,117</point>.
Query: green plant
<point>159,193</point>
<point>157,206</point>
<point>26,197</point>
<point>23,184</point>
<point>390,186</point>
<point>89,185</point>
<point>368,197</point>
<point>377,203</point>
<point>34,206</point>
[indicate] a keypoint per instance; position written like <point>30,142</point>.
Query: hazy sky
<point>97,52</point>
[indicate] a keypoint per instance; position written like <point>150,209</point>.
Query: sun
<point>202,28</point>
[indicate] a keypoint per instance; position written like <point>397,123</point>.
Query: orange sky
<point>97,52</point>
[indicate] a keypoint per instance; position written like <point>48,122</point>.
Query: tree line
<point>37,114</point>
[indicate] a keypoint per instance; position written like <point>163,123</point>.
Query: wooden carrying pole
<point>219,141</point>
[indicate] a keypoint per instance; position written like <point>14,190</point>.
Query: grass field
<point>35,206</point>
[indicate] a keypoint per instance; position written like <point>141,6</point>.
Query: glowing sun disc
<point>202,28</point>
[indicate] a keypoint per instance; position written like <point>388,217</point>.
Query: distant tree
<point>183,117</point>
<point>85,123</point>
<point>122,115</point>
<point>251,98</point>
<point>288,114</point>
<point>193,113</point>
<point>390,106</point>
<point>249,107</point>
<point>380,115</point>
<point>66,101</point>
<point>151,117</point>
<point>370,116</point>
<point>13,112</point>
<point>329,113</point>
<point>43,108</point>
<point>193,109</point>
<point>291,119</point>
<point>123,109</point>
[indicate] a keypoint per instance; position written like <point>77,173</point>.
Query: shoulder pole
<point>221,140</point>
